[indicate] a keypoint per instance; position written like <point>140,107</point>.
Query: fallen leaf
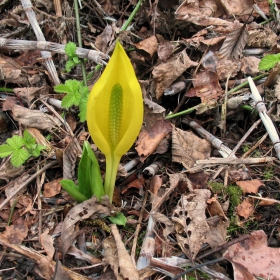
<point>89,208</point>
<point>47,243</point>
<point>227,67</point>
<point>206,86</point>
<point>246,208</point>
<point>52,188</point>
<point>187,148</point>
<point>250,65</point>
<point>215,208</point>
<point>252,258</point>
<point>149,140</point>
<point>250,186</point>
<point>122,264</point>
<point>165,50</point>
<point>104,38</point>
<point>218,231</point>
<point>15,234</point>
<point>164,77</point>
<point>189,215</point>
<point>235,43</point>
<point>147,47</point>
<point>35,118</point>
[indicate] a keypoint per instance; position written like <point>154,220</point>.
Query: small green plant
<point>269,61</point>
<point>21,148</point>
<point>234,193</point>
<point>77,95</point>
<point>268,173</point>
<point>217,187</point>
<point>245,148</point>
<point>73,59</point>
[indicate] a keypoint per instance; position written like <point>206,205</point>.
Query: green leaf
<point>69,65</point>
<point>37,150</point>
<point>269,61</point>
<point>70,86</point>
<point>76,60</point>
<point>71,99</point>
<point>89,176</point>
<point>70,49</point>
<point>6,150</point>
<point>28,138</point>
<point>119,219</point>
<point>83,109</point>
<point>73,190</point>
<point>19,157</point>
<point>16,142</point>
<point>83,90</point>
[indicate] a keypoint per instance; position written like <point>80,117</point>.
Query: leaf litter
<point>194,183</point>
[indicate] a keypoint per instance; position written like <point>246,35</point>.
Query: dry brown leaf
<point>52,188</point>
<point>35,118</point>
<point>89,208</point>
<point>124,263</point>
<point>252,258</point>
<point>27,94</point>
<point>250,186</point>
<point>250,65</point>
<point>156,108</point>
<point>8,171</point>
<point>218,231</point>
<point>148,141</point>
<point>237,7</point>
<point>215,208</point>
<point>70,155</point>
<point>227,68</point>
<point>234,43</point>
<point>15,234</point>
<point>104,38</point>
<point>189,215</point>
<point>187,148</point>
<point>165,50</point>
<point>166,73</point>
<point>206,86</point>
<point>207,14</point>
<point>262,38</point>
<point>246,208</point>
<point>47,243</point>
<point>147,47</point>
<point>78,254</point>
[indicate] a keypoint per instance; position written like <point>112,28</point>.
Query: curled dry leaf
<point>246,208</point>
<point>252,258</point>
<point>89,208</point>
<point>189,216</point>
<point>206,86</point>
<point>148,141</point>
<point>147,47</point>
<point>70,155</point>
<point>104,38</point>
<point>35,118</point>
<point>187,148</point>
<point>47,243</point>
<point>52,188</point>
<point>126,266</point>
<point>165,50</point>
<point>218,231</point>
<point>164,77</point>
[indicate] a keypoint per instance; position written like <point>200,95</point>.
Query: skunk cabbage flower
<point>115,113</point>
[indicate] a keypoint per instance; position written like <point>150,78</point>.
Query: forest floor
<point>197,196</point>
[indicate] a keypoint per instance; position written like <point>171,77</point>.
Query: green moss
<point>217,187</point>
<point>234,193</point>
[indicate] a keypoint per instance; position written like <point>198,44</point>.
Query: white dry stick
<point>27,6</point>
<point>264,117</point>
<point>215,142</point>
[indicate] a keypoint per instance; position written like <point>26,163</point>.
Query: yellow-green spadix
<point>115,112</point>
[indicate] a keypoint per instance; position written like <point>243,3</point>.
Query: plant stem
<point>112,163</point>
<point>190,110</point>
<point>131,17</point>
<point>3,89</point>
<point>79,37</point>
